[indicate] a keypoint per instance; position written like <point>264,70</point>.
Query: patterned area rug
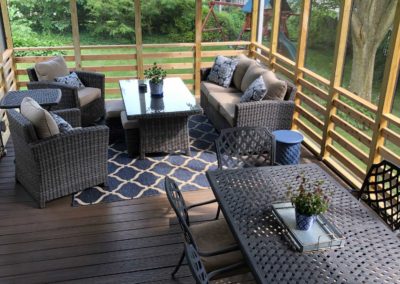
<point>133,178</point>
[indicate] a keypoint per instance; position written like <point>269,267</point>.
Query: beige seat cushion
<point>225,104</point>
<point>49,70</point>
<point>276,87</point>
<point>241,68</point>
<point>114,108</point>
<point>44,123</point>
<point>215,235</point>
<point>128,123</point>
<point>208,87</point>
<point>87,95</point>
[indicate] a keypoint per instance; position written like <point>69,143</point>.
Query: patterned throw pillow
<point>71,80</point>
<point>63,126</point>
<point>222,71</point>
<point>255,92</point>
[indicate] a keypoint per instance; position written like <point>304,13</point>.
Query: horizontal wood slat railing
<point>116,60</point>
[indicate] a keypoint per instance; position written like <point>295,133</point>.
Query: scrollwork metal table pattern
<point>371,253</point>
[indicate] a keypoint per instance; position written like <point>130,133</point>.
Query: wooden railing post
<point>139,40</point>
<point>197,49</point>
<point>301,50</point>
<point>6,24</point>
<point>254,27</point>
<point>276,10</point>
<point>337,72</point>
<point>387,93</point>
<point>75,34</point>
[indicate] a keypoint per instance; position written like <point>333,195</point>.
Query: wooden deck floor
<point>135,241</point>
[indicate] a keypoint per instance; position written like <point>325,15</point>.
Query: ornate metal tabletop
<point>371,253</point>
<point>44,97</point>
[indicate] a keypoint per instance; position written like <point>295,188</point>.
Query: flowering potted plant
<point>309,201</point>
<point>156,75</point>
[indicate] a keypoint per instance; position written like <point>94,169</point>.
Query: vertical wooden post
<point>275,32</point>
<point>388,90</point>
<point>75,34</point>
<point>254,25</point>
<point>197,50</point>
<point>6,23</point>
<point>139,40</point>
<point>337,72</point>
<point>301,49</point>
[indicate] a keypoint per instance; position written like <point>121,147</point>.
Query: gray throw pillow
<point>255,92</point>
<point>222,71</point>
<point>71,80</point>
<point>63,126</point>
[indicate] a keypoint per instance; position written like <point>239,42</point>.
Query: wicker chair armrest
<point>50,85</point>
<point>69,98</point>
<point>78,148</point>
<point>204,73</point>
<point>267,113</point>
<point>92,79</point>
<point>72,116</point>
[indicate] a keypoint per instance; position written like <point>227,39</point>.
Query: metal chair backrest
<point>381,191</point>
<point>196,266</point>
<point>242,147</point>
<point>177,202</point>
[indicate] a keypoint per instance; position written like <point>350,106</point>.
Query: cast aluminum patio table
<point>163,122</point>
<point>371,253</point>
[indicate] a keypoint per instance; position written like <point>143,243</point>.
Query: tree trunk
<point>362,70</point>
<point>370,22</point>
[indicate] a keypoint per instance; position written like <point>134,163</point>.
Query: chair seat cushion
<point>212,236</point>
<point>49,70</point>
<point>209,87</point>
<point>225,104</point>
<point>44,123</point>
<point>114,108</point>
<point>87,95</point>
<point>128,123</point>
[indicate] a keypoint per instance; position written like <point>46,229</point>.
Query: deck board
<point>133,241</point>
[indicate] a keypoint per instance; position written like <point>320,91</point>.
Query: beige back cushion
<point>41,119</point>
<point>276,87</point>
<point>49,70</point>
<point>241,68</point>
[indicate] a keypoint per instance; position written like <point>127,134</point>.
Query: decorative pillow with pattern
<point>255,92</point>
<point>71,80</point>
<point>222,71</point>
<point>63,126</point>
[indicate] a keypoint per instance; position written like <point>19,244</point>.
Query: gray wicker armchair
<point>62,164</point>
<point>90,112</point>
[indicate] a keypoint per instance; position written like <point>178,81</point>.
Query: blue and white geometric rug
<point>133,178</point>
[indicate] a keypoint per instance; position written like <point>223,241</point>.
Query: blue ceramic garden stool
<point>288,146</point>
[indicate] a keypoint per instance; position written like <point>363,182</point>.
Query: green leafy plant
<point>155,74</point>
<point>309,199</point>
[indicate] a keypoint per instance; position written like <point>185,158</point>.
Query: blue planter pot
<point>156,89</point>
<point>304,222</point>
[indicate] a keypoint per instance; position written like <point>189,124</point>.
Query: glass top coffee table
<point>163,121</point>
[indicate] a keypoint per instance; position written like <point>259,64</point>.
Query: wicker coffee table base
<point>164,134</point>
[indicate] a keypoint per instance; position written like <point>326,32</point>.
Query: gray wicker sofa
<point>222,105</point>
<point>60,165</point>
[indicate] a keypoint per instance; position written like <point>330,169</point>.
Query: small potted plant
<point>309,201</point>
<point>155,75</point>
